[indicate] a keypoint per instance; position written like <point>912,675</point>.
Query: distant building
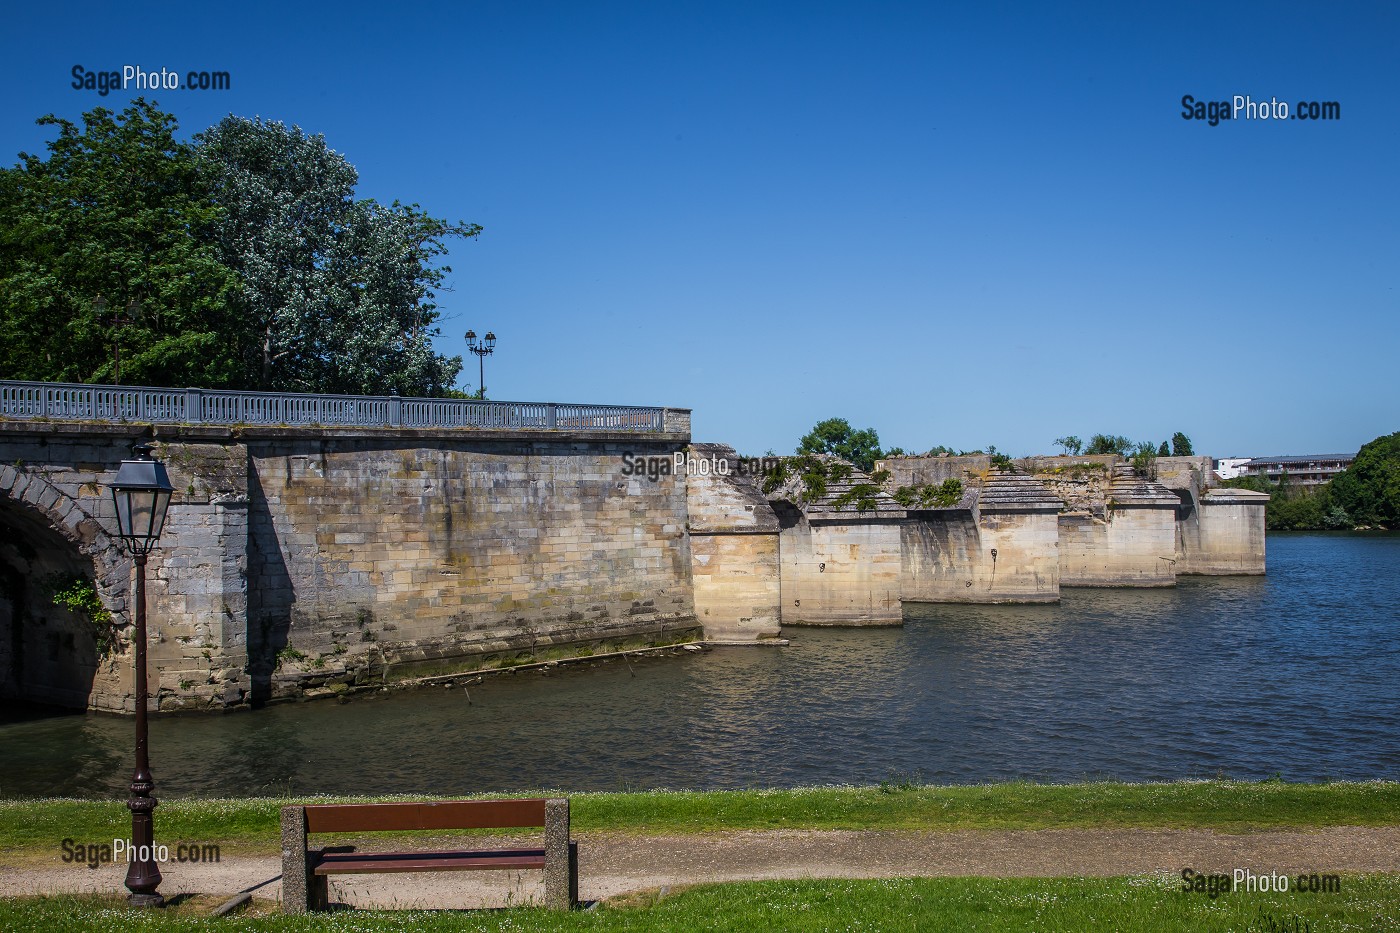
<point>1305,470</point>
<point>1230,467</point>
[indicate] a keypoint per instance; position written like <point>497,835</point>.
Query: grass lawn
<point>250,825</point>
<point>1365,903</point>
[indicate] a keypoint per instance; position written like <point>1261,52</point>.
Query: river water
<point>1296,674</point>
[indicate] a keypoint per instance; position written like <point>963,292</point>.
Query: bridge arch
<point>52,655</point>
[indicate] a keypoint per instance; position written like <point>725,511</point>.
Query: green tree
<point>1163,451</point>
<point>1294,508</point>
<point>836,437</point>
<point>1110,444</point>
<point>1369,490</point>
<point>1072,445</point>
<point>337,293</point>
<point>1181,445</point>
<point>115,210</point>
<point>1143,455</point>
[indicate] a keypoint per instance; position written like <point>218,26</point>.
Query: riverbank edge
<point>250,825</point>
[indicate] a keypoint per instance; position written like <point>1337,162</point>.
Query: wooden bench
<point>305,871</point>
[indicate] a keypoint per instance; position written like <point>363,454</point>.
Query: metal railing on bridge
<point>116,404</point>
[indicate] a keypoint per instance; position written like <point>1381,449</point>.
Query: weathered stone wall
<point>388,558</point>
<point>1102,464</point>
<point>321,559</point>
<point>57,511</point>
<point>919,471</point>
<point>1134,546</point>
<point>948,557</point>
<point>317,560</point>
<point>1184,474</point>
<point>733,547</point>
<point>841,572</point>
<point>839,549</point>
<point>1080,482</point>
<point>197,592</point>
<point>1223,535</point>
<point>1219,531</point>
<point>737,591</point>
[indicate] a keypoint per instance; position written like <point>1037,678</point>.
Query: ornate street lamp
<point>141,491</point>
<point>482,350</point>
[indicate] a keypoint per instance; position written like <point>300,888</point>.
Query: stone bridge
<point>319,543</point>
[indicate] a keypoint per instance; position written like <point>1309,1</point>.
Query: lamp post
<point>482,350</point>
<point>141,491</point>
<point>119,320</point>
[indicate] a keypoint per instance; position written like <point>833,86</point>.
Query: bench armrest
<point>560,858</point>
<point>297,883</point>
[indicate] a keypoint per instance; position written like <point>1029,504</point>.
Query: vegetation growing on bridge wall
<point>80,597</point>
<point>928,496</point>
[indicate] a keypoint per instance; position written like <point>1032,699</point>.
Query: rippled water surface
<point>1296,673</point>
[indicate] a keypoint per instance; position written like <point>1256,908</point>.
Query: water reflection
<point>1294,673</point>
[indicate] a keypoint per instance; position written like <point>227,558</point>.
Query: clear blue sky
<point>961,224</point>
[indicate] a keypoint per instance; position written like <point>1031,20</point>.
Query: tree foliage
<point>1181,445</point>
<point>1072,445</point>
<point>115,211</point>
<point>1369,490</point>
<point>252,262</point>
<point>1142,458</point>
<point>835,436</point>
<point>1110,444</point>
<point>337,294</point>
<point>1296,508</point>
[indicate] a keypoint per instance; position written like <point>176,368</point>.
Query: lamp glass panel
<point>122,498</point>
<point>142,512</point>
<point>162,502</point>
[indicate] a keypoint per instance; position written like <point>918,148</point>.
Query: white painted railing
<point>76,402</point>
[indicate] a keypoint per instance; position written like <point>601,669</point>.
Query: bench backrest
<point>439,814</point>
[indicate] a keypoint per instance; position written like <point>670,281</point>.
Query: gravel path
<point>614,863</point>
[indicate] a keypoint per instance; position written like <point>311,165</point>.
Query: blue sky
<point>960,224</point>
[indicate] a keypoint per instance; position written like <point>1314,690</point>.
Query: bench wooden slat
<point>376,862</point>
<point>437,814</point>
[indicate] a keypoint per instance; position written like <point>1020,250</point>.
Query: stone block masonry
<point>387,560</point>
<point>840,560</point>
<point>734,548</point>
<point>315,560</point>
<point>1133,544</point>
<point>999,546</point>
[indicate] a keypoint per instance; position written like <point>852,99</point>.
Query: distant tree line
<point>241,259</point>
<point>1365,495</point>
<point>1118,444</point>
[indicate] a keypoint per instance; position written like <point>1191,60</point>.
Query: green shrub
<point>80,596</point>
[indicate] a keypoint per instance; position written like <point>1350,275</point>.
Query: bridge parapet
<point>137,404</point>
